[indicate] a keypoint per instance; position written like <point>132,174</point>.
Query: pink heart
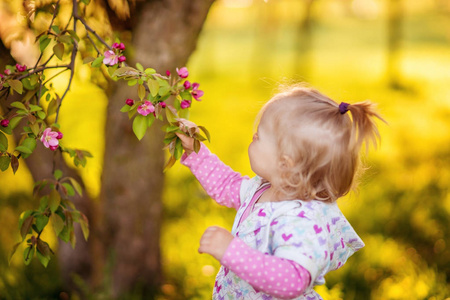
<point>261,213</point>
<point>286,237</point>
<point>302,214</point>
<point>317,229</point>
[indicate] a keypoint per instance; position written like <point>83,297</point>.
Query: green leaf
<point>74,35</point>
<point>18,105</point>
<point>14,122</point>
<point>6,130</point>
<point>30,143</point>
<point>178,149</point>
<point>65,39</point>
<point>150,120</point>
<point>153,86</point>
<point>56,29</point>
<point>132,82</point>
<point>4,163</point>
<point>86,1</point>
<point>44,260</point>
<point>163,90</point>
<point>23,149</point>
<point>64,234</point>
<point>88,59</point>
<point>140,126</point>
<point>43,203</point>
<point>76,186</point>
<point>54,200</point>
<point>141,91</point>
<point>43,248</point>
<point>58,49</point>
<point>58,223</point>
<point>125,108</point>
<point>41,222</point>
<point>97,62</point>
<point>52,107</point>
<point>150,71</point>
<point>41,115</point>
<point>126,71</point>
<point>3,142</point>
<point>43,42</point>
<point>72,238</point>
<point>69,188</point>
<point>16,85</point>
<point>171,114</point>
<point>57,174</point>
<point>28,254</point>
<point>26,226</point>
<point>84,226</point>
<point>34,108</point>
<point>139,67</point>
<point>14,249</point>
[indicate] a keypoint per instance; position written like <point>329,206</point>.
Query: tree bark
<point>164,36</point>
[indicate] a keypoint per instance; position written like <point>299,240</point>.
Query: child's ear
<point>286,161</point>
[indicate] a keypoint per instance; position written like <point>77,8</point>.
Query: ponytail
<point>364,128</point>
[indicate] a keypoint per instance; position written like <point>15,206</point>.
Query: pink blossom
<point>115,46</point>
<point>167,72</point>
<point>110,58</point>
<point>122,58</point>
<point>60,135</point>
<point>53,148</point>
<point>4,123</point>
<point>183,72</point>
<point>21,68</point>
<point>185,104</point>
<point>7,72</point>
<point>163,104</point>
<point>187,84</point>
<point>129,102</point>
<point>50,139</point>
<point>196,93</point>
<point>146,108</point>
<point>121,46</point>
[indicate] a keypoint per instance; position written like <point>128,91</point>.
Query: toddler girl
<point>288,232</point>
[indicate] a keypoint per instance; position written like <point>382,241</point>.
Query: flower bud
<point>7,72</point>
<point>21,68</point>
<point>187,84</point>
<point>4,123</point>
<point>59,136</point>
<point>163,104</point>
<point>129,102</point>
<point>121,46</point>
<point>53,148</point>
<point>122,58</point>
<point>183,72</point>
<point>115,46</point>
<point>167,72</point>
<point>185,104</point>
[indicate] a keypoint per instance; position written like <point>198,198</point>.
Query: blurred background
<point>393,52</point>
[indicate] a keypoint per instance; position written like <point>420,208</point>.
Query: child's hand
<point>187,142</point>
<point>215,241</point>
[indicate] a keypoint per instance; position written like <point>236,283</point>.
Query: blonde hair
<point>318,146</point>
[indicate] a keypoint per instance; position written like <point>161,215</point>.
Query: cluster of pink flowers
<point>21,68</point>
<point>50,138</point>
<point>112,57</point>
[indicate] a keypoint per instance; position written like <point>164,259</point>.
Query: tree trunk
<point>164,37</point>
<point>395,21</point>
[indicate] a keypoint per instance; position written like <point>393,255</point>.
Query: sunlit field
<point>246,51</point>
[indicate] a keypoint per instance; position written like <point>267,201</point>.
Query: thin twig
<point>73,57</point>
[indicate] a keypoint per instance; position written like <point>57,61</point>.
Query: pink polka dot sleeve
<point>278,277</point>
<point>219,180</point>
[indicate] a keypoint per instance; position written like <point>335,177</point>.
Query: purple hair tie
<point>343,107</point>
